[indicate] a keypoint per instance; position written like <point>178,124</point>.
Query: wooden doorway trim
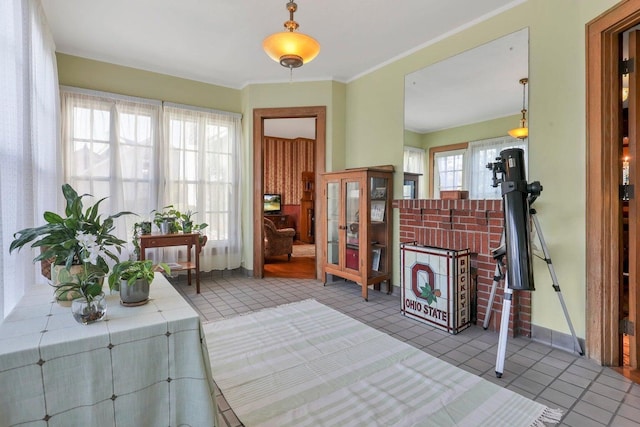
<point>259,115</point>
<point>603,205</point>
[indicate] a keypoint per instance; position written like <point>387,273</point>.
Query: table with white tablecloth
<point>142,366</point>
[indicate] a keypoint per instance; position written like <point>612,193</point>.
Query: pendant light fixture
<point>290,48</point>
<point>522,132</point>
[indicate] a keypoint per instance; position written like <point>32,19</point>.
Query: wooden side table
<point>177,239</point>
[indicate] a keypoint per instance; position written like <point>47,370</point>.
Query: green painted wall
<point>412,139</point>
<point>96,75</point>
<point>557,133</point>
<point>483,130</point>
<point>324,93</point>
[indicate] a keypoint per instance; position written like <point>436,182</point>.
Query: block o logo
<point>422,283</point>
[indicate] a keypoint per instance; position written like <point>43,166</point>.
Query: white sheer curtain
<point>414,162</point>
<point>111,149</point>
<point>480,153</point>
<point>29,176</point>
<point>143,156</point>
<point>202,173</point>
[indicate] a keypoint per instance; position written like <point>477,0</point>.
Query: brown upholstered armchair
<point>277,242</point>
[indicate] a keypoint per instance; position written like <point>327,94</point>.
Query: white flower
<point>86,239</point>
<point>90,247</point>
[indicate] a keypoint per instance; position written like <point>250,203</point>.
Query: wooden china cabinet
<point>357,225</point>
<point>307,213</point>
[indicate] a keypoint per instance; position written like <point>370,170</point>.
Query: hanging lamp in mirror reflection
<point>290,48</point>
<point>522,132</point>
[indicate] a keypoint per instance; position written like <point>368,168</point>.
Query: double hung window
<point>144,155</point>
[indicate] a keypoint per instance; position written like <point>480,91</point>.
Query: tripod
<point>498,255</point>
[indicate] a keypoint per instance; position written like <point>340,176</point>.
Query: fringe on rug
<point>551,416</point>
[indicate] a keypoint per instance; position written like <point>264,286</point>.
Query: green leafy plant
<point>139,228</point>
<point>168,214</point>
<point>131,271</point>
<point>82,236</point>
<point>186,221</point>
<point>187,217</point>
<point>178,221</point>
<point>86,284</point>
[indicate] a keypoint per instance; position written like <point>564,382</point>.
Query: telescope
<point>517,198</point>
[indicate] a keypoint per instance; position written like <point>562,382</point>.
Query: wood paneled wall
<point>284,161</point>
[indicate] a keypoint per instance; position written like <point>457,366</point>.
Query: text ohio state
<point>432,312</point>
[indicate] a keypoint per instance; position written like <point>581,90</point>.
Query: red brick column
<point>467,224</point>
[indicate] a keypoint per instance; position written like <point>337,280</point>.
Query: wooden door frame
<point>259,115</point>
<point>603,204</point>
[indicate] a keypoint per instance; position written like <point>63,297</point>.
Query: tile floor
<point>589,394</point>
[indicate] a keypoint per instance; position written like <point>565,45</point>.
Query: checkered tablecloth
<point>142,366</point>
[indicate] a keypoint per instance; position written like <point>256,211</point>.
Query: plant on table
<point>186,220</point>
<point>133,270</point>
<point>133,277</point>
<point>166,219</point>
<point>81,238</point>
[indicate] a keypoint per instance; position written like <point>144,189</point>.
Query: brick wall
<point>462,224</point>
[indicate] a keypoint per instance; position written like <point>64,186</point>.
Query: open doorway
<point>612,217</point>
<point>289,193</point>
<point>260,117</point>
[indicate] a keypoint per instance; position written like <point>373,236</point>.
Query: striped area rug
<point>305,364</point>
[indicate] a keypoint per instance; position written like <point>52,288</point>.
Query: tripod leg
<point>497,276</point>
<point>556,286</point>
<point>504,329</point>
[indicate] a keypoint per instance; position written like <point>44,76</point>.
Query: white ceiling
<point>220,41</point>
<point>291,128</point>
<point>477,85</point>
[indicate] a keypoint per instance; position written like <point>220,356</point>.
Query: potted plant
<point>133,278</point>
<point>143,227</point>
<point>187,221</point>
<point>165,220</point>
<point>90,304</point>
<point>203,237</point>
<point>139,228</point>
<point>79,243</point>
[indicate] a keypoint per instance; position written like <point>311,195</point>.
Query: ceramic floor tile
<point>591,395</point>
<point>593,412</point>
<point>600,401</point>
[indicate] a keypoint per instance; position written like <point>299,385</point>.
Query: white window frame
<point>436,172</point>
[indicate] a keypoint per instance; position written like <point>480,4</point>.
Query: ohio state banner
<point>435,286</point>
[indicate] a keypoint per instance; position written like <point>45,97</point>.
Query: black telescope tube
<point>516,220</point>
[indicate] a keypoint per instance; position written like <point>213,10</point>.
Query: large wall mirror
<point>457,116</point>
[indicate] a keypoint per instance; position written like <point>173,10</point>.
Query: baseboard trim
<point>555,339</point>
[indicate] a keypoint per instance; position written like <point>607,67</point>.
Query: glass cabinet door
<point>333,221</point>
<point>378,231</point>
<point>352,226</point>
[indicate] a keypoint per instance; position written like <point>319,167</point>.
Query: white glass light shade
<point>291,43</point>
